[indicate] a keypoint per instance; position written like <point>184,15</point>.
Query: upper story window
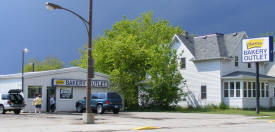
<point>248,65</point>
<point>236,61</point>
<point>183,63</point>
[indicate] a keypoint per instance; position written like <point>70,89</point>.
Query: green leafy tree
<point>50,63</point>
<point>132,49</point>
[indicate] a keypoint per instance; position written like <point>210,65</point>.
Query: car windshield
<point>5,96</point>
<point>113,95</point>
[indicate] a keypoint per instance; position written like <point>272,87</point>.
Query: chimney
<point>185,34</point>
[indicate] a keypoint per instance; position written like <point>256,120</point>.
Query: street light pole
<point>23,57</point>
<point>88,117</point>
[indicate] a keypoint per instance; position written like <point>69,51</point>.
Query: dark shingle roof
<point>213,46</point>
<point>243,73</point>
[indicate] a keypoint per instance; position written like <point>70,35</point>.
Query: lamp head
<point>26,50</point>
<point>52,6</point>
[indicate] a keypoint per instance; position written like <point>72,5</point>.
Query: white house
<point>67,85</point>
<point>211,65</point>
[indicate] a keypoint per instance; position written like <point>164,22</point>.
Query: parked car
<point>100,102</point>
<point>11,101</point>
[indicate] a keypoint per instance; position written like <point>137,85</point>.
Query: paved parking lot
<point>127,121</point>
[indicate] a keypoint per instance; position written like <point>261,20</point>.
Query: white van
<point>11,101</point>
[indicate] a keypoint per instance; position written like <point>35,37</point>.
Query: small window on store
<point>183,63</point>
<point>236,61</point>
<point>238,89</point>
<point>231,89</point>
<point>249,65</point>
<point>244,89</point>
<point>66,93</point>
<point>225,89</point>
<point>34,91</point>
<point>203,92</point>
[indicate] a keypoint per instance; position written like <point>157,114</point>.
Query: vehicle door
<point>94,100</point>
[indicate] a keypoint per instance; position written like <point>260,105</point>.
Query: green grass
<point>269,113</point>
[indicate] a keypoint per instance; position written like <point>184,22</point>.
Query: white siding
<point>197,74</point>
<point>7,84</point>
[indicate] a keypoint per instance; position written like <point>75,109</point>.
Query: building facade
<point>211,65</point>
<point>67,86</point>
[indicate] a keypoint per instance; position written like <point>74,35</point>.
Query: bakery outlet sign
<point>257,49</point>
<point>79,83</point>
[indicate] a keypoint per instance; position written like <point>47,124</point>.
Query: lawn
<point>264,113</point>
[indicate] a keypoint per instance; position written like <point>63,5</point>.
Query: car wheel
<point>116,111</point>
<point>79,108</point>
<point>99,109</point>
<point>2,109</point>
<point>17,111</point>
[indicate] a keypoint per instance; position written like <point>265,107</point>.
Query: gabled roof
<point>212,46</point>
<point>50,72</point>
<point>243,74</point>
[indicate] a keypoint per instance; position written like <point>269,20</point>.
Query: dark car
<point>101,102</point>
<point>11,101</point>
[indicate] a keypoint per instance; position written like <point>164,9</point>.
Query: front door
<point>50,92</point>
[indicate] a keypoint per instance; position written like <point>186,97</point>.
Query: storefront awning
<point>244,74</point>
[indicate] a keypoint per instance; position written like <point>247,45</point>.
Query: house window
<point>249,65</point>
<point>203,92</point>
<point>183,63</point>
<point>244,89</point>
<point>231,89</point>
<point>254,89</point>
<point>249,89</point>
<point>66,93</point>
<point>262,90</point>
<point>267,90</point>
<point>236,61</point>
<point>238,89</point>
<point>225,89</point>
<point>34,91</point>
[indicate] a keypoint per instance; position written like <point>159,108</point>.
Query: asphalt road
<point>128,121</point>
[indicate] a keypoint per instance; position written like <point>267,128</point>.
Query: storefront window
<point>249,89</point>
<point>225,89</point>
<point>238,89</point>
<point>262,90</point>
<point>34,91</point>
<point>231,89</point>
<point>244,89</point>
<point>267,90</point>
<point>66,93</point>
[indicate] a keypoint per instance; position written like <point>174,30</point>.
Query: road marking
<point>146,128</point>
